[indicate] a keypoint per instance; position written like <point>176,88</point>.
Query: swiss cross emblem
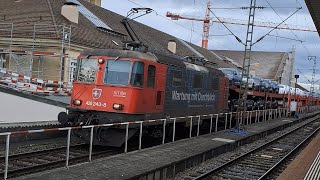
<point>96,93</point>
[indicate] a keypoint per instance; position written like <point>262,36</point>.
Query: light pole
<point>294,104</point>
<point>295,87</point>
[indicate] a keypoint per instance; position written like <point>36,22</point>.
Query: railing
<point>244,118</point>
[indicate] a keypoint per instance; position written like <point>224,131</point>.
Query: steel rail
<point>54,152</point>
<point>19,155</point>
<point>265,175</point>
<point>212,171</point>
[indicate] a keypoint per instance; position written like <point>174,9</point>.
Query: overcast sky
<point>220,37</point>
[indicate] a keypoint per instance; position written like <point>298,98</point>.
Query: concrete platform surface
<point>59,101</point>
<point>17,107</point>
<point>163,161</point>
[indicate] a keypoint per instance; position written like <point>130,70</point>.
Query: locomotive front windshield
<point>87,69</point>
<point>124,72</point>
<point>117,72</point>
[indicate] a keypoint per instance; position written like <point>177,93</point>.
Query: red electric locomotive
<point>113,85</point>
<point>122,85</point>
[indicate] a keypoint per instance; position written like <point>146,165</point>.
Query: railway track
<point>264,160</point>
<point>32,162</point>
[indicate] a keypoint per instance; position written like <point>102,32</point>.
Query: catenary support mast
<point>247,58</point>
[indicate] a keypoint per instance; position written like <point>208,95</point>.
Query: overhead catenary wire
<point>234,10</point>
<point>304,76</point>
<point>299,70</point>
<point>265,18</point>
<point>276,27</point>
<point>163,16</point>
<point>198,33</point>
<point>305,21</point>
<point>257,7</point>
<point>237,38</point>
<point>221,35</point>
<point>304,14</point>
<point>190,29</point>
<point>287,25</point>
<point>225,8</point>
<point>277,36</point>
<point>298,39</point>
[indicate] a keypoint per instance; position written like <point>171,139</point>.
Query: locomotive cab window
<point>176,78</point>
<point>117,72</point>
<point>86,70</point>
<point>137,75</point>
<point>151,76</point>
<point>197,81</point>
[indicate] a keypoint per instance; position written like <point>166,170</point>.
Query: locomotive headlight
<point>77,102</point>
<point>100,61</point>
<point>118,106</point>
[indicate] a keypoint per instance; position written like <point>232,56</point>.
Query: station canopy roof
<point>314,9</point>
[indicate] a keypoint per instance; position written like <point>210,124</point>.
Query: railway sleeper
<point>24,163</point>
<point>39,160</point>
<point>235,176</point>
<point>245,169</point>
<point>257,166</point>
<point>52,158</point>
<point>59,157</point>
<point>254,162</point>
<point>75,153</point>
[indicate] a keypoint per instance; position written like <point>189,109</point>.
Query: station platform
<point>26,110</point>
<point>306,165</point>
<point>59,101</point>
<point>164,161</point>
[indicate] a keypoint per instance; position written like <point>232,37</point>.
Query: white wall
<point>17,109</point>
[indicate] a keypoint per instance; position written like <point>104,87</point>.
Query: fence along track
<point>260,162</point>
<point>272,113</point>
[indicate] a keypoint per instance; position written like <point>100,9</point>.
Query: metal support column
<point>247,58</point>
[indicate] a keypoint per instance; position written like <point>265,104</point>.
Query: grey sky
<point>192,30</point>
